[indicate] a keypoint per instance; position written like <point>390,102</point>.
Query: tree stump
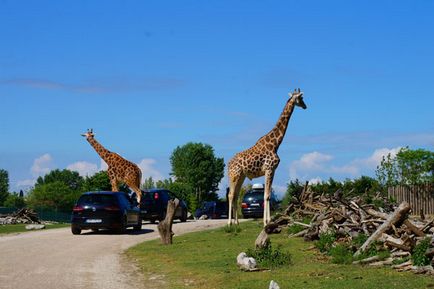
<point>262,241</point>
<point>165,226</point>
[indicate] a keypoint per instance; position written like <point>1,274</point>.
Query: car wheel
<point>138,227</point>
<point>75,230</point>
<point>163,216</point>
<point>95,230</point>
<point>152,221</point>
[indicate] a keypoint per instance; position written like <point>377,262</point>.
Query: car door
<point>132,212</point>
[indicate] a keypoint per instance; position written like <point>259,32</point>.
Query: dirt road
<point>57,259</point>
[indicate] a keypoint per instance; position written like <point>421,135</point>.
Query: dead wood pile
<point>389,227</point>
<point>21,216</point>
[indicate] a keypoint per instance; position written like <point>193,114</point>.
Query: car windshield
<point>97,199</point>
<point>256,195</point>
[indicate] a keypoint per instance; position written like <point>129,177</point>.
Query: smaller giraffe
<point>119,169</point>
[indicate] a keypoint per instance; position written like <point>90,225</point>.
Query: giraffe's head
<point>88,134</point>
<point>298,96</point>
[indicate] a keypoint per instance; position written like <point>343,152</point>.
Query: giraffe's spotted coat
<point>261,159</point>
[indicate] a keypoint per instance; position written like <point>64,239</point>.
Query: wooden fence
<point>420,198</point>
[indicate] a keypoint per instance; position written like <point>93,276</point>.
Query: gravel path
<point>57,259</point>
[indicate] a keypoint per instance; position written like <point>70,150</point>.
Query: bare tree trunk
<point>165,226</point>
<point>396,217</point>
<point>262,241</point>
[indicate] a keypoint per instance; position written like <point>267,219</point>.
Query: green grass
<point>208,260</point>
<point>17,228</point>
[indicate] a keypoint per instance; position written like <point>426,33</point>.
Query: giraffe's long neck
<point>102,151</point>
<point>275,136</point>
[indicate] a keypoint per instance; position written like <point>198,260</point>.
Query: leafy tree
<point>4,185</point>
<point>293,189</point>
<point>98,182</point>
<point>407,167</point>
<point>70,178</point>
<point>54,195</point>
<point>148,184</point>
<point>195,166</point>
<point>14,201</point>
<point>329,187</point>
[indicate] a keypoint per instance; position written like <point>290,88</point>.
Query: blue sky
<point>148,76</point>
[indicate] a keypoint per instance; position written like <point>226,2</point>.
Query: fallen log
<point>414,229</point>
<point>396,217</point>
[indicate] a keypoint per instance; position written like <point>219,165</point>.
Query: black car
<point>253,203</point>
<point>105,210</point>
<point>153,205</point>
<point>213,210</point>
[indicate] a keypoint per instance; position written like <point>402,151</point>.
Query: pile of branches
<point>389,228</point>
<point>21,216</point>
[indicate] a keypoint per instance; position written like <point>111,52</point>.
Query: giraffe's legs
<point>235,184</point>
<point>114,184</point>
<point>269,175</point>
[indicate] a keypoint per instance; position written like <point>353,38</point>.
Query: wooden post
<point>165,226</point>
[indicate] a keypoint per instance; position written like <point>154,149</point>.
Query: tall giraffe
<point>261,159</point>
<point>119,169</point>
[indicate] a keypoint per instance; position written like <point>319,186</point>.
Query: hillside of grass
<point>208,260</point>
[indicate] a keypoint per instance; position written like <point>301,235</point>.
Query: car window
<point>97,199</point>
<point>257,195</point>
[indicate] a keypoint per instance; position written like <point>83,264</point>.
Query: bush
<point>418,255</point>
<point>341,254</point>
<point>294,229</point>
<point>325,242</point>
<point>269,258</point>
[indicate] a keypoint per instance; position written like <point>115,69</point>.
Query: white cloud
<point>146,165</point>
<point>83,168</point>
<point>314,163</point>
<point>310,162</point>
<point>42,165</point>
<point>314,181</point>
<point>375,159</point>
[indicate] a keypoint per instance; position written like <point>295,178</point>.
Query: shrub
<point>341,254</point>
<point>325,242</point>
<point>269,258</point>
<point>418,255</point>
<point>295,228</point>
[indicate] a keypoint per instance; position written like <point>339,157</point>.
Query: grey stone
<point>246,263</point>
<point>273,285</point>
<point>35,227</point>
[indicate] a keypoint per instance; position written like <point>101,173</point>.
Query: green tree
<point>53,195</point>
<point>14,201</point>
<point>407,167</point>
<point>4,185</point>
<point>195,166</point>
<point>98,182</point>
<point>293,189</point>
<point>148,184</point>
<point>70,178</point>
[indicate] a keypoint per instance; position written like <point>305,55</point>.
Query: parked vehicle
<point>105,210</point>
<point>253,202</point>
<point>213,210</point>
<point>153,205</point>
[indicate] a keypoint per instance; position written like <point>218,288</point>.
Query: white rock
<point>273,285</point>
<point>245,262</point>
<point>35,227</point>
